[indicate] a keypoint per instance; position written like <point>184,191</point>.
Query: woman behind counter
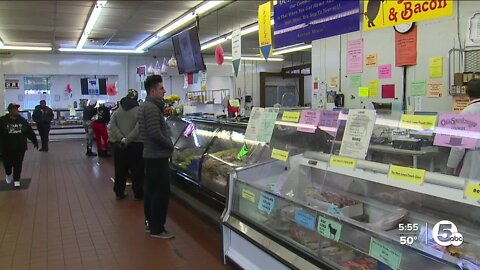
<point>465,161</point>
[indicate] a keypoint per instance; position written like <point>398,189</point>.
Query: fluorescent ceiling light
<point>179,22</point>
<point>97,9</point>
<point>99,50</point>
<point>292,49</point>
<point>25,48</point>
<point>256,58</point>
<point>213,43</point>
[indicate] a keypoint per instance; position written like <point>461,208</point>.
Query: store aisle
<point>69,219</point>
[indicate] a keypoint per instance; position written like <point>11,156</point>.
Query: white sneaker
<point>17,183</point>
<point>8,178</point>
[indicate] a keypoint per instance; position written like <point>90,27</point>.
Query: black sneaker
<point>147,227</point>
<point>91,154</point>
<point>163,235</point>
<point>121,197</point>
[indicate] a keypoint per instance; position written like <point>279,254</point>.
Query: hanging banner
<point>265,29</point>
<point>406,48</point>
<point>355,56</point>
<point>203,82</point>
<point>185,81</point>
<point>236,50</point>
<point>380,14</point>
<point>304,21</point>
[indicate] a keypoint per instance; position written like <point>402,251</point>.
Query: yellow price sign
<point>363,91</point>
<point>415,176</point>
<point>291,116</point>
<point>343,162</point>
<point>280,154</point>
<point>418,122</point>
<point>248,195</point>
<point>472,190</point>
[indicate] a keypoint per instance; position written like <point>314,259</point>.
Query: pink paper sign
<point>328,122</point>
<point>385,72</point>
<point>457,130</point>
<point>309,121</point>
<point>355,56</point>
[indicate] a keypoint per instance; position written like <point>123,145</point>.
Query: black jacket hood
<point>128,104</point>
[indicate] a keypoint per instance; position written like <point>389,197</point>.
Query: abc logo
<point>441,237</point>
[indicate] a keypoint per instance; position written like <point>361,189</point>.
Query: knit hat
<point>132,94</point>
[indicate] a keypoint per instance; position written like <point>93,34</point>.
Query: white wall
<point>435,38</point>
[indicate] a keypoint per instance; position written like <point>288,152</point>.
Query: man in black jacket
<point>43,116</point>
<point>157,150</point>
<point>14,131</point>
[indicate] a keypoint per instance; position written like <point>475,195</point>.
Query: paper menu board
<point>358,131</point>
<point>253,124</point>
<point>309,121</point>
<point>453,124</point>
<point>329,121</point>
<point>267,123</point>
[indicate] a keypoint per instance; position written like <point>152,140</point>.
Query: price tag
<point>385,253</point>
<point>472,190</point>
<point>329,228</point>
<point>343,162</point>
<point>418,122</point>
<point>334,210</point>
<point>291,116</point>
<point>248,195</point>
<point>266,203</point>
<point>280,154</point>
<point>415,176</point>
<point>305,219</point>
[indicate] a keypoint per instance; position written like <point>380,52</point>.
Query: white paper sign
<point>203,83</point>
<point>254,123</point>
<point>473,31</point>
<point>236,44</point>
<point>358,132</point>
<point>185,81</point>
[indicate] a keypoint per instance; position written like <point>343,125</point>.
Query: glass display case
<point>373,195</point>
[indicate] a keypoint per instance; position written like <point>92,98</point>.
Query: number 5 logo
<point>441,237</point>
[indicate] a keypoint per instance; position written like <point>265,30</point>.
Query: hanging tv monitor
<point>93,86</point>
<point>187,51</point>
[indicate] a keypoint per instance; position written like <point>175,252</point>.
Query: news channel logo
<point>445,233</point>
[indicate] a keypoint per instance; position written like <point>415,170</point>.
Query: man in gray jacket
<point>123,131</point>
<point>157,150</point>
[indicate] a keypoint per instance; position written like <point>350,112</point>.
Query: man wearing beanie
<point>14,131</point>
<point>128,147</point>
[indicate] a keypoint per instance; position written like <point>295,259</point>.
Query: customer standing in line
<point>157,150</point>
<point>14,131</point>
<point>461,161</point>
<point>99,127</point>
<point>88,113</point>
<point>123,133</point>
<point>43,116</point>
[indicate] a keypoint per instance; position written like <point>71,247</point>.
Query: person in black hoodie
<point>88,113</point>
<point>99,127</point>
<point>14,131</point>
<point>43,116</point>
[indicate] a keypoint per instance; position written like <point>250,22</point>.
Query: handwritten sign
<point>309,121</point>
<point>305,219</point>
<point>385,253</point>
<point>291,116</point>
<point>248,195</point>
<point>355,56</point>
<point>266,203</point>
<point>267,124</point>
<point>373,88</point>
<point>460,103</point>
<point>419,88</point>
<point>472,190</point>
<point>372,60</point>
<point>406,48</point>
<point>329,121</point>
<point>280,154</point>
<point>389,13</point>
<point>343,162</point>
<point>385,72</point>
<point>411,175</point>
<point>329,229</point>
<point>333,82</point>
<point>418,122</point>
<point>355,81</point>
<point>452,125</point>
<point>363,91</point>
<point>436,67</point>
<point>435,89</point>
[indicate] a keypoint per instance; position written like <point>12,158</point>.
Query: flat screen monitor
<point>93,86</point>
<point>187,51</point>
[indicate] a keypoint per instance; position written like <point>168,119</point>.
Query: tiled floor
<point>69,219</point>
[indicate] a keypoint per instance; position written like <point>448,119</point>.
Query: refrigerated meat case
<point>314,213</point>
